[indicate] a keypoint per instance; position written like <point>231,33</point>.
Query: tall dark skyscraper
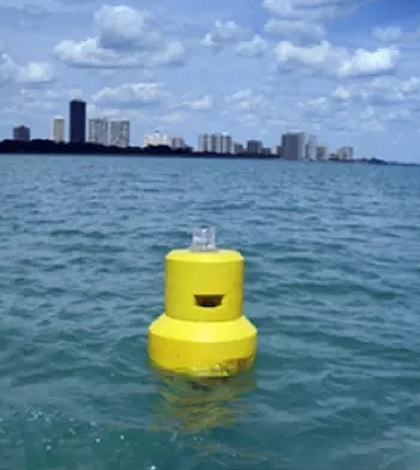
<point>77,121</point>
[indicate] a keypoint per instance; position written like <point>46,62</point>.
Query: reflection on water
<point>195,405</point>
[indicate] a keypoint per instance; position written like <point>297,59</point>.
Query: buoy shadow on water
<point>194,405</point>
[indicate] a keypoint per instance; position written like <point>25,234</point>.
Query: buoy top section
<point>203,282</point>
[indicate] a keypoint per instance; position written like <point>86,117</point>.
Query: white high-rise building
<point>226,143</point>
<point>310,147</point>
<point>98,131</point>
<point>58,129</point>
<point>204,143</point>
<point>217,143</point>
<point>214,143</point>
<point>120,133</point>
<point>345,153</point>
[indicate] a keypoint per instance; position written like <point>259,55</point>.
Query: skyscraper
<point>120,133</point>
<point>226,144</point>
<point>22,133</point>
<point>322,152</point>
<point>58,129</point>
<point>345,153</point>
<point>177,143</point>
<point>293,145</point>
<point>204,144</point>
<point>254,147</point>
<point>214,143</point>
<point>310,147</point>
<point>77,122</point>
<point>238,148</point>
<point>98,131</point>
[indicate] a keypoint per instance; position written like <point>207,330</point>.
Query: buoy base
<point>202,349</point>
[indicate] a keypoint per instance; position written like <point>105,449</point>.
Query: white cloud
<point>247,101</point>
<point>318,103</point>
<point>121,27</point>
<point>342,94</point>
<point>338,60</point>
<point>202,104</point>
<point>35,73</point>
<point>305,30</point>
<point>389,34</point>
<point>229,34</point>
<point>385,90</point>
<point>223,34</point>
<point>410,85</point>
<point>311,9</point>
<point>172,54</point>
<point>31,74</point>
<point>320,54</point>
<point>257,46</point>
<point>89,53</point>
<point>363,62</point>
<point>125,38</point>
<point>131,94</point>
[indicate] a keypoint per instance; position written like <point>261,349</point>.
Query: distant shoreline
<point>48,147</point>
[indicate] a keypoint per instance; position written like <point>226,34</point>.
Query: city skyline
<point>344,71</point>
<point>82,128</point>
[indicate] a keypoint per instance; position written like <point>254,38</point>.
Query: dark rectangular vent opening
<point>208,301</point>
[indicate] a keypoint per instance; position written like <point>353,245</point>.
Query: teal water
<point>332,283</point>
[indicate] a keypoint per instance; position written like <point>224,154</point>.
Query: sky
<point>347,71</point>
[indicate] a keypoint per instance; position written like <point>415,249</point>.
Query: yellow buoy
<point>203,331</point>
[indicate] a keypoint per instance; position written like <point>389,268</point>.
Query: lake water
<point>332,283</point>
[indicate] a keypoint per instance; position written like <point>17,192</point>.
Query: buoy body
<point>203,331</point>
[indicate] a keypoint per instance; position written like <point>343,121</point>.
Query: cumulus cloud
<point>381,91</point>
<point>311,9</point>
<point>246,100</point>
<point>389,34</point>
<point>122,27</point>
<point>322,54</point>
<point>304,30</point>
<point>363,62</point>
<point>131,95</point>
<point>35,73</point>
<point>242,41</point>
<point>125,37</point>
<point>223,34</point>
<point>342,94</point>
<point>338,60</point>
<point>31,74</point>
<point>257,46</point>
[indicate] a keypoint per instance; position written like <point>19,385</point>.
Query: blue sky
<point>345,70</point>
